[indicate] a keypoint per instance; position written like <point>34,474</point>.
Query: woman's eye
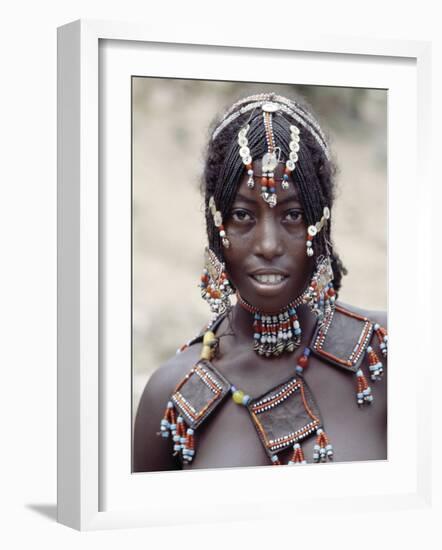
<point>293,215</point>
<point>241,216</point>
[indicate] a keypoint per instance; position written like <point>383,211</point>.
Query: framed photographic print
<point>167,145</point>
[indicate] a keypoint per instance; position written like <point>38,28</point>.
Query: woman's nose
<point>268,238</point>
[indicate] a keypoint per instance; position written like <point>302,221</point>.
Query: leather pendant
<point>343,339</point>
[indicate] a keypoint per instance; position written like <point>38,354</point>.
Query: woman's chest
<point>232,437</point>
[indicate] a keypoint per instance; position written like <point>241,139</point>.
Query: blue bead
<point>307,352</point>
<point>285,176</point>
<point>297,331</point>
<point>272,189</point>
<point>257,336</point>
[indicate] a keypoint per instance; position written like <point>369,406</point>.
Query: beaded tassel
<point>382,335</point>
<point>363,390</point>
<point>268,164</point>
<point>183,441</point>
<point>322,449</point>
<point>297,456</point>
<point>376,368</point>
<point>188,449</point>
<point>179,436</point>
<point>167,421</point>
<point>275,460</point>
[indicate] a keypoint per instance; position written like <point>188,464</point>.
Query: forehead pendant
<point>270,159</point>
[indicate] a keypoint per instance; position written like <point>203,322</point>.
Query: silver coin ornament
<point>269,162</point>
<point>270,107</point>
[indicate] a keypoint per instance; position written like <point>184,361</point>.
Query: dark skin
<point>263,241</point>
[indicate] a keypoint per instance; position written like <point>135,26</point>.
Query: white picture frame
<point>96,491</point>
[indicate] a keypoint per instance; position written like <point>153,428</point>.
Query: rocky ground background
<point>170,130</point>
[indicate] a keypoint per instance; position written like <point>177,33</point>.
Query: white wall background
<point>28,269</point>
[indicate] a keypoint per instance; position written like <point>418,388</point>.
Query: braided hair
<point>313,175</point>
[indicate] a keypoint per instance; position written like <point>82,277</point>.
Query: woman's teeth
<point>269,279</point>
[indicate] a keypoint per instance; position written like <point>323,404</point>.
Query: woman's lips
<point>269,278</point>
<point>268,284</point>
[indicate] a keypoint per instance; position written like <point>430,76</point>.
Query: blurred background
<point>170,130</point>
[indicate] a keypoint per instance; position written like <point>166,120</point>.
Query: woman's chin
<point>268,297</point>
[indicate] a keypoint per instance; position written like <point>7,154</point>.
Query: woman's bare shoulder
<point>167,376</point>
<point>152,453</point>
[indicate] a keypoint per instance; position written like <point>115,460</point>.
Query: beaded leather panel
<point>199,393</point>
<point>284,415</point>
<point>343,339</point>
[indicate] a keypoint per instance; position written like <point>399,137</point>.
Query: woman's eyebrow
<point>289,198</point>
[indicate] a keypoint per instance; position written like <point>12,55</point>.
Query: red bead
<point>303,361</point>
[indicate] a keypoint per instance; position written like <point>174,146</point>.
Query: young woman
<point>279,377</point>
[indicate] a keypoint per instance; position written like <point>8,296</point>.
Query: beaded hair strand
<point>313,175</point>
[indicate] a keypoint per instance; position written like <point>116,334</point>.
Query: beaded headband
<point>286,106</point>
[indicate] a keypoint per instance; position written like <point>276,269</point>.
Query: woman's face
<point>267,260</point>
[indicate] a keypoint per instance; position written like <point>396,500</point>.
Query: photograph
<point>259,274</point>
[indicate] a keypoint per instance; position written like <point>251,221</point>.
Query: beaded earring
<point>215,286</point>
<point>313,230</point>
<point>320,295</point>
<point>218,221</point>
